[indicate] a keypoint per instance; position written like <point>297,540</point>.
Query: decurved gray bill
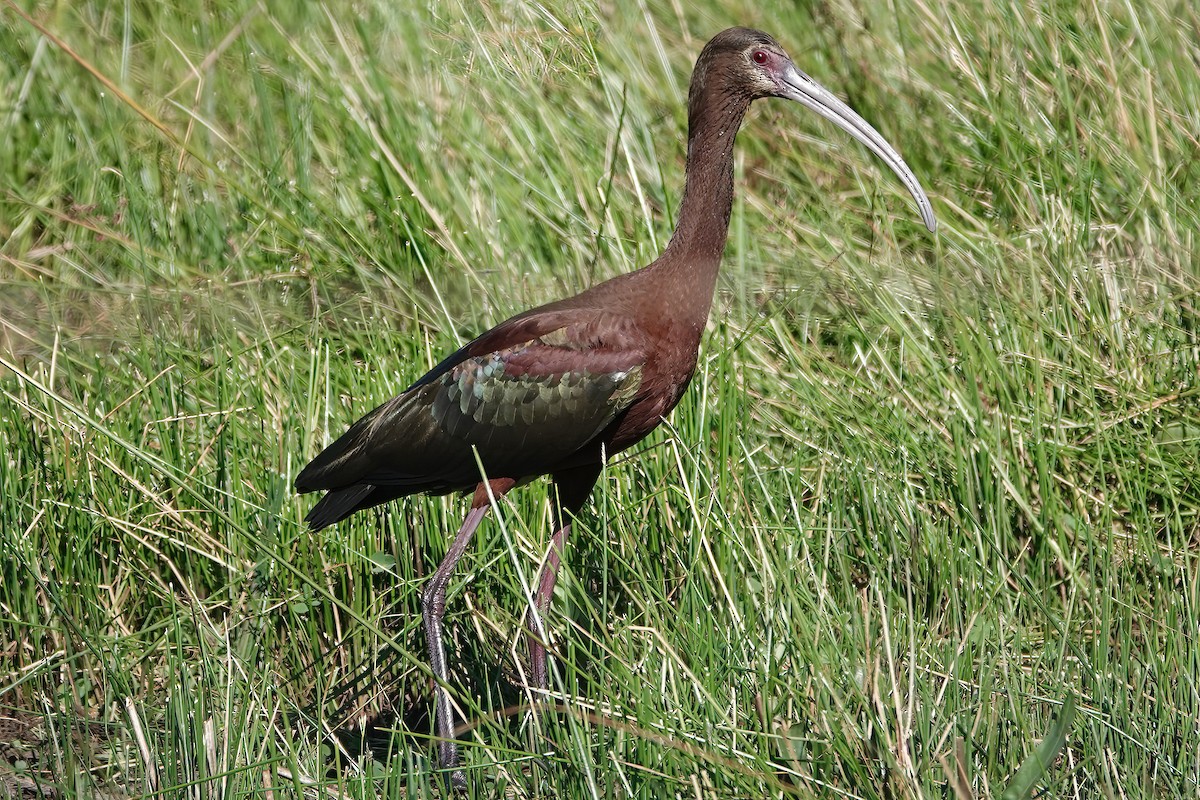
<point>804,90</point>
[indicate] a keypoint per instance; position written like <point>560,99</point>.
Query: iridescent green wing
<point>522,399</point>
<point>535,403</point>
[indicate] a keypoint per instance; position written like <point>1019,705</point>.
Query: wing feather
<point>525,397</point>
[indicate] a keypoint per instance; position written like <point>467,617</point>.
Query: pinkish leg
<point>535,630</point>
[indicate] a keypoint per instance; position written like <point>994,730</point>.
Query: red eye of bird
<point>760,56</point>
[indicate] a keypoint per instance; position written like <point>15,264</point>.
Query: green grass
<point>923,492</point>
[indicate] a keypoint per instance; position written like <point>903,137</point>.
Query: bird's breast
<point>665,378</point>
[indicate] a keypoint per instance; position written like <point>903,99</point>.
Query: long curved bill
<point>810,94</point>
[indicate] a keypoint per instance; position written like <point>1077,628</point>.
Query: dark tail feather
<point>337,505</point>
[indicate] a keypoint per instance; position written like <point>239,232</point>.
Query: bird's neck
<point>694,253</point>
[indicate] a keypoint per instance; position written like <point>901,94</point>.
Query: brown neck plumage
<point>691,259</point>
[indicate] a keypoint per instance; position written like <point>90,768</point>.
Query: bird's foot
<point>451,771</point>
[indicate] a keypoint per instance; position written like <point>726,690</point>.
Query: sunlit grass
<point>924,489</point>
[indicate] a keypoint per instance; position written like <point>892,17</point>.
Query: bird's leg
<point>535,630</point>
<point>433,608</point>
<point>571,490</point>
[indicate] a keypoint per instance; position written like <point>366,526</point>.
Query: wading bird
<point>560,388</point>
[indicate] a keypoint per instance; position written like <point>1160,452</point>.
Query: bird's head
<point>749,65</point>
